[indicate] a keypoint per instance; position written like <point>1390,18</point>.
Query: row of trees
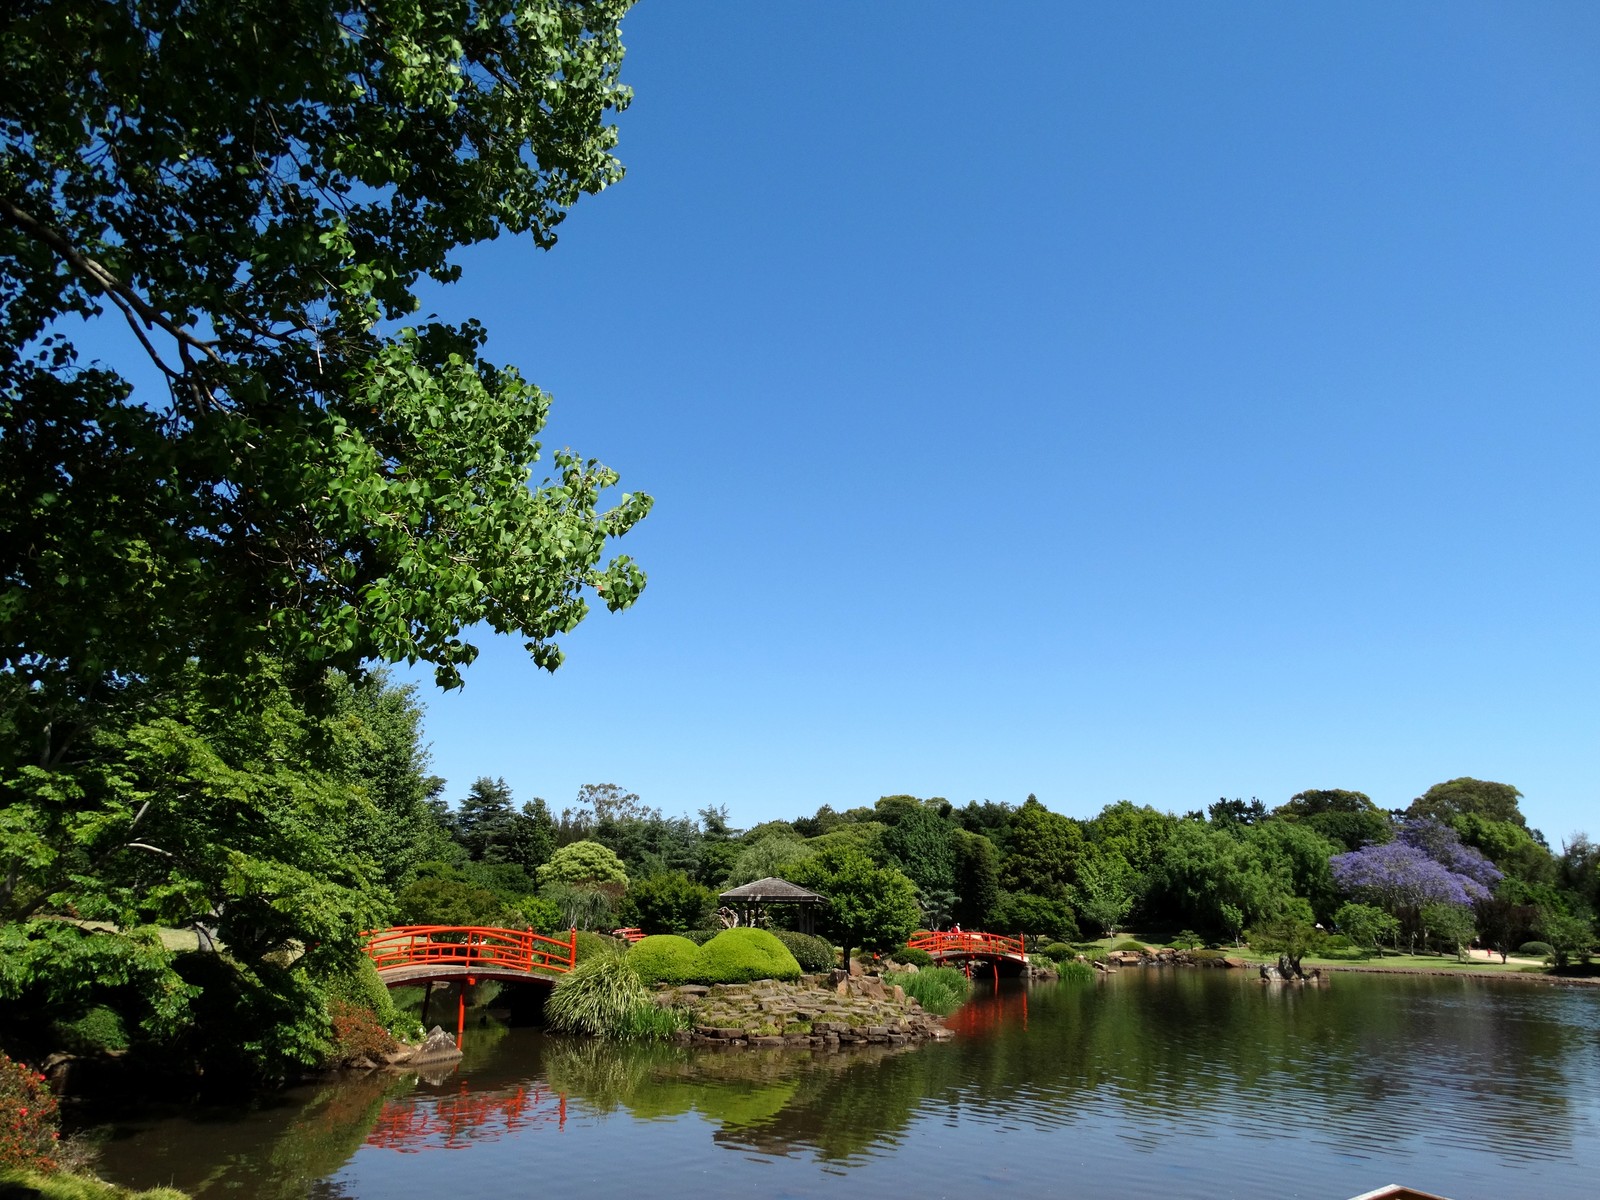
<point>1458,864</point>
<point>273,834</point>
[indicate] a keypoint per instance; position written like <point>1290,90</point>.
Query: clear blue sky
<point>1158,402</point>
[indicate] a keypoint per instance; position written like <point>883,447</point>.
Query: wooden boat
<point>1394,1191</point>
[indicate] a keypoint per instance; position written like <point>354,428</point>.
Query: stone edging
<point>826,1011</point>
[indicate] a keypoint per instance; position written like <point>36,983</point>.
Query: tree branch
<point>125,297</point>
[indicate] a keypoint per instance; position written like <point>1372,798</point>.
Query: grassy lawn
<point>67,1186</point>
<point>1387,961</point>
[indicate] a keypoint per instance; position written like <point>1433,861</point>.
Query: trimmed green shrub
<point>814,954</point>
<point>1058,952</point>
<point>912,958</point>
<point>665,958</point>
<point>742,955</point>
<point>1129,944</point>
<point>97,1030</point>
<point>1536,950</point>
<point>1076,972</point>
<point>940,990</point>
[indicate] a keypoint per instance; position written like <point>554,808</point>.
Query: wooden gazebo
<point>752,900</point>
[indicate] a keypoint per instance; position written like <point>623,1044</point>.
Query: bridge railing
<point>471,945</point>
<point>973,945</point>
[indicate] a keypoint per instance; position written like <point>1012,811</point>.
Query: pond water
<point>1149,1083</point>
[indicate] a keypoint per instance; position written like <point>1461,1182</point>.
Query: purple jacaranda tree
<point>1442,844</point>
<point>1398,876</point>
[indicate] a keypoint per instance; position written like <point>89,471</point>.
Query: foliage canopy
<point>255,191</point>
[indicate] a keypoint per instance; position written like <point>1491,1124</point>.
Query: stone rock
<point>437,1047</point>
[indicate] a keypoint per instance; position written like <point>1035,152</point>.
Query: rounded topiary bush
<point>1536,950</point>
<point>912,958</point>
<point>812,953</point>
<point>665,958</point>
<point>1058,952</point>
<point>742,955</point>
<point>1129,944</point>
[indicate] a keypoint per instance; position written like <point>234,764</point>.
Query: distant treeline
<point>190,873</point>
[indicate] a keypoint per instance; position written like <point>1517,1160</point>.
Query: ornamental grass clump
<point>940,990</point>
<point>1077,972</point>
<point>603,997</point>
<point>30,1123</point>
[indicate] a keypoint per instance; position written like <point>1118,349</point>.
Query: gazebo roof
<point>771,891</point>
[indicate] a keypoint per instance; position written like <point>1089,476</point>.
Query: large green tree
<point>1347,817</point>
<point>1042,852</point>
<point>1461,797</point>
<point>252,192</point>
<point>272,466</point>
<point>867,905</point>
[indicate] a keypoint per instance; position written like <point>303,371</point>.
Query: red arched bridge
<point>416,953</point>
<point>425,954</point>
<point>955,946</point>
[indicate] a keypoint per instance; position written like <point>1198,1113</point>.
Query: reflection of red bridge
<point>413,953</point>
<point>453,1122</point>
<point>954,946</point>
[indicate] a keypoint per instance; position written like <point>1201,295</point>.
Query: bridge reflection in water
<point>455,1122</point>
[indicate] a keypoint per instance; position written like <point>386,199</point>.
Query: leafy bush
<point>30,1123</point>
<point>542,916</point>
<point>97,1030</point>
<point>814,954</point>
<point>581,907</point>
<point>940,990</point>
<point>1128,944</point>
<point>912,958</point>
<point>667,903</point>
<point>1536,950</point>
<point>1188,939</point>
<point>742,955</point>
<point>432,901</point>
<point>1093,954</point>
<point>665,958</point>
<point>1058,952</point>
<point>597,945</point>
<point>364,988</point>
<point>1036,915</point>
<point>357,1034</point>
<point>1076,972</point>
<point>600,996</point>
